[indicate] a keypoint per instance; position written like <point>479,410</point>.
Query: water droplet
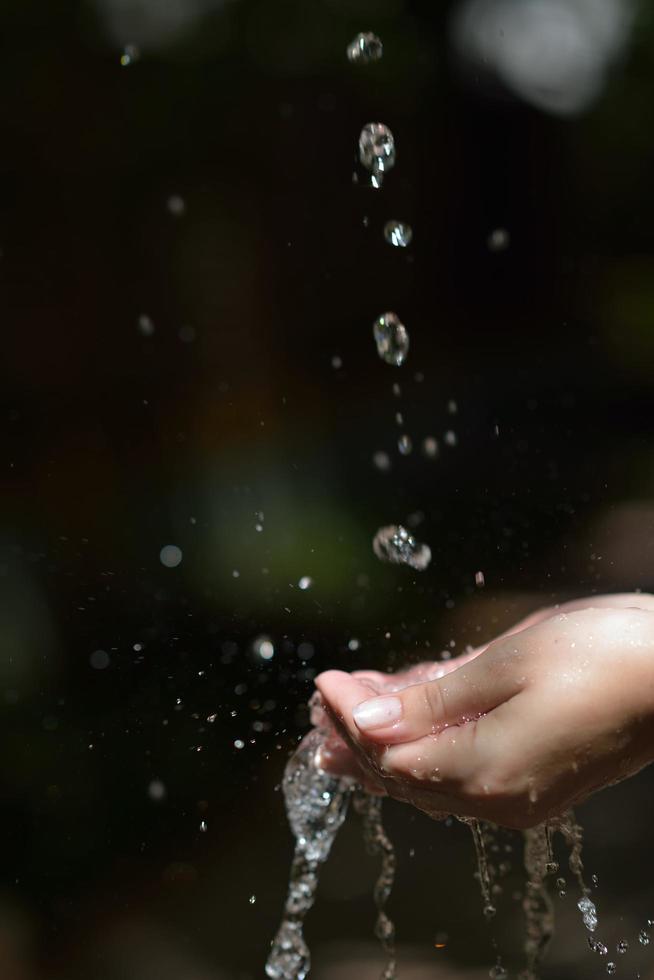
<point>399,418</point>
<point>430,447</point>
<point>211,718</point>
<point>145,325</point>
<point>263,648</point>
<point>396,545</point>
<point>643,938</point>
<point>595,880</point>
<point>305,583</point>
<point>489,912</point>
<point>481,581</point>
<point>382,461</point>
<point>364,48</point>
<point>377,150</point>
<point>498,972</point>
<point>498,240</point>
<point>398,233</point>
<point>404,444</point>
<point>239,743</point>
<point>391,338</point>
<point>561,883</point>
<point>130,55</point>
<point>622,946</point>
<point>610,967</point>
<point>252,899</point>
<point>203,826</point>
<point>170,555</point>
<point>337,362</point>
<point>176,205</point>
<point>353,644</point>
<point>99,659</point>
<point>186,334</point>
<point>157,791</point>
<point>451,438</point>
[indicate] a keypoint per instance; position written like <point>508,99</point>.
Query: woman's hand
<point>536,721</point>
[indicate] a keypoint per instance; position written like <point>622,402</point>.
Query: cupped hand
<point>556,708</point>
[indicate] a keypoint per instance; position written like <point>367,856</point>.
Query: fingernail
<point>377,712</point>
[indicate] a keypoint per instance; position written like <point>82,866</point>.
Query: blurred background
<point>199,442</point>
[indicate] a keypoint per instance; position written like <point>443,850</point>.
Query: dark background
<point>115,444</point>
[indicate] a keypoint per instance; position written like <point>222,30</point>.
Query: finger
<point>422,709</point>
<point>337,759</point>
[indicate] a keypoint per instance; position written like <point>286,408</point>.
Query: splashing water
<point>394,544</point>
<point>377,151</point>
<point>377,842</point>
<point>316,805</point>
<point>537,903</point>
<point>364,48</point>
<point>482,865</point>
<point>392,339</point>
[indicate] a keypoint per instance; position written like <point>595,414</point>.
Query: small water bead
<point>394,544</point>
<point>252,899</point>
<point>430,447</point>
<point>399,418</point>
<point>145,325</point>
<point>176,205</point>
<point>353,644</point>
<point>203,826</point>
<point>157,791</point>
<point>99,659</point>
<point>643,938</point>
<point>480,581</point>
<point>305,583</point>
<point>391,338</point>
<point>589,913</point>
<point>404,444</point>
<point>610,967</point>
<point>622,946</point>
<point>595,880</point>
<point>451,438</point>
<point>489,912</point>
<point>498,240</point>
<point>337,362</point>
<point>398,234</point>
<point>365,47</point>
<point>498,972</point>
<point>131,53</point>
<point>170,556</point>
<point>377,150</point>
<point>263,648</point>
<point>561,884</point>
<point>382,461</point>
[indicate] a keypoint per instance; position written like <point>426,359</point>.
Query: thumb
<point>464,694</point>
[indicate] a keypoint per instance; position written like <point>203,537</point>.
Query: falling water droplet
<point>377,151</point>
<point>252,899</point>
<point>480,581</point>
<point>643,937</point>
<point>145,325</point>
<point>395,545</point>
<point>498,240</point>
<point>430,447</point>
<point>404,444</point>
<point>498,972</point>
<point>170,555</point>
<point>203,826</point>
<point>398,234</point>
<point>610,967</point>
<point>391,338</point>
<point>451,438</point>
<point>364,48</point>
<point>130,54</point>
<point>176,205</point>
<point>622,946</point>
<point>382,461</point>
<point>305,583</point>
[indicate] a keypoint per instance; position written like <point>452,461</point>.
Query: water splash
<point>483,865</point>
<point>537,903</point>
<point>316,805</point>
<point>378,843</point>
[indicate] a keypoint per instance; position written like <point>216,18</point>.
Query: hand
<point>543,716</point>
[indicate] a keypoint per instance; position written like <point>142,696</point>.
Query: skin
<point>515,732</point>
